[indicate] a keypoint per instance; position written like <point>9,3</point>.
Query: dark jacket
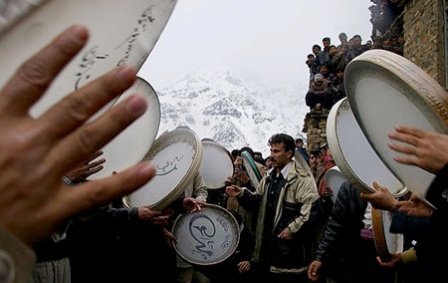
<point>345,255</point>
<point>343,227</point>
<point>431,247</point>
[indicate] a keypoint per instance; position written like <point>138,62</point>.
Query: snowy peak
<point>232,110</point>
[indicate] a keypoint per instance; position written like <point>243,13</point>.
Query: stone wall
<point>425,36</point>
<point>315,127</point>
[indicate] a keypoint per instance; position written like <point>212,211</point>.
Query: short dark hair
<point>259,159</point>
<point>326,39</point>
<point>235,152</point>
<point>248,149</point>
<point>317,46</point>
<point>287,140</point>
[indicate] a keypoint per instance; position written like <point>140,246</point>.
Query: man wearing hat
<point>318,94</point>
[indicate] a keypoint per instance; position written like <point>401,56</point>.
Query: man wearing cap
<point>318,94</point>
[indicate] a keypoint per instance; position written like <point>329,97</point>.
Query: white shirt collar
<point>285,170</point>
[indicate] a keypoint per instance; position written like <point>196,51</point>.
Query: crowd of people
<point>327,64</point>
<point>57,227</point>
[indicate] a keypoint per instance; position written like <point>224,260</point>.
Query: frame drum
<point>216,165</point>
<point>386,243</point>
<point>176,155</point>
<point>206,237</point>
<point>305,166</point>
<point>28,26</point>
<point>130,146</point>
<point>385,90</point>
<point>353,154</point>
<point>251,168</point>
<point>334,179</point>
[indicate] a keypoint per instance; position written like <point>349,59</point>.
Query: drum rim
<point>245,155</point>
<point>340,158</point>
<point>208,206</point>
<point>379,235</point>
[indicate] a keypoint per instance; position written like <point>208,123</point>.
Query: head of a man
<point>326,41</point>
<point>282,150</point>
<point>357,40</point>
<point>299,142</point>
<point>319,80</point>
<point>333,50</point>
<point>343,37</point>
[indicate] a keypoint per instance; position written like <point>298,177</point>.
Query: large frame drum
<point>131,145</point>
<point>386,243</point>
<point>176,155</point>
<point>28,26</point>
<point>251,168</point>
<point>206,237</point>
<point>354,155</point>
<point>385,90</point>
<point>216,165</point>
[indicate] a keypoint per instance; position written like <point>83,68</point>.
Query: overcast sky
<point>270,38</point>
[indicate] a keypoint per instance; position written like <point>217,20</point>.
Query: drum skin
<point>354,155</point>
<point>334,179</point>
<point>130,146</point>
<point>176,155</point>
<point>28,26</point>
<point>216,165</point>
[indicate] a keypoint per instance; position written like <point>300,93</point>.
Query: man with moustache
<point>283,201</point>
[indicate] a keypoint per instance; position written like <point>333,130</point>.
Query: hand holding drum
<point>233,191</point>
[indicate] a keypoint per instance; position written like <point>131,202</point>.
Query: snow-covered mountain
<point>233,109</point>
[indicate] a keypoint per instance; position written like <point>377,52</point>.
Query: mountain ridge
<point>234,109</point>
